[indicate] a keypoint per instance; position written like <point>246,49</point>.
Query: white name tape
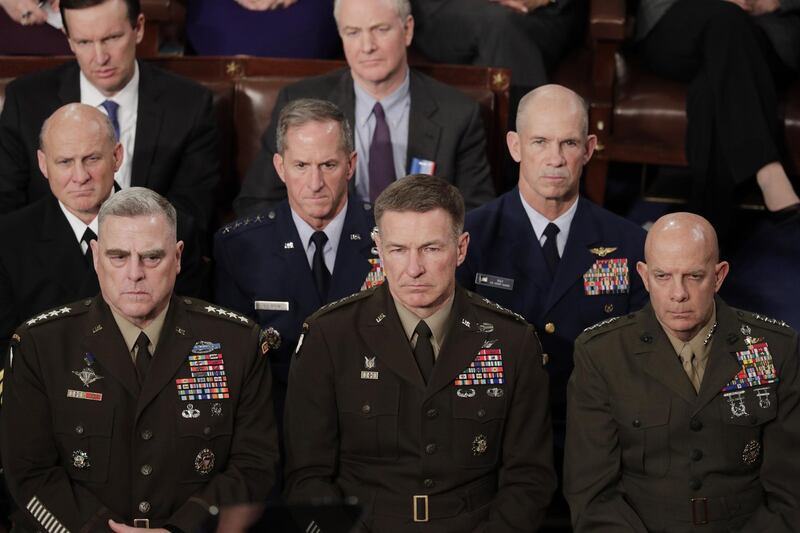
<point>267,305</point>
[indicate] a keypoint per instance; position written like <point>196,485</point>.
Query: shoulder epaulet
<point>765,321</point>
<point>496,307</point>
<point>199,306</point>
<point>72,309</point>
<point>608,324</point>
<point>327,308</point>
<point>248,222</point>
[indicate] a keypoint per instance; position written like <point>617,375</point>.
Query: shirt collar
<point>130,332</point>
<point>393,104</point>
<point>700,343</point>
<point>77,225</point>
<point>540,222</point>
<point>437,321</point>
<point>127,97</point>
<point>333,230</point>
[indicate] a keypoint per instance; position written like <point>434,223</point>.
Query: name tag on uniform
<point>268,305</point>
<point>498,282</point>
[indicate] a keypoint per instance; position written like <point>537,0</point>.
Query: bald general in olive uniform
<point>425,401</point>
<point>683,417</point>
<point>99,434</point>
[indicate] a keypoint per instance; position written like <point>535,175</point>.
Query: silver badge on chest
<point>736,401</point>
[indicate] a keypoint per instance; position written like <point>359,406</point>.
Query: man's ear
<point>641,268</point>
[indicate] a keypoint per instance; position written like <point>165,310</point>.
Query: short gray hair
<point>420,193</point>
<point>138,202</point>
<point>105,122</point>
<point>305,110</point>
<point>402,7</point>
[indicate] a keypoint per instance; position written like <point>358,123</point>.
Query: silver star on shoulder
<point>243,319</point>
<point>210,308</point>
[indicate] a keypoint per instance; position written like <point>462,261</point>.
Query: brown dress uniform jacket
<point>360,420</point>
<point>646,453</point>
<point>82,443</point>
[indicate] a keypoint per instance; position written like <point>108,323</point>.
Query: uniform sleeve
<point>472,174</point>
<point>195,180</point>
<point>262,187</point>
<point>311,422</point>
<point>780,469</point>
<point>592,454</point>
<point>39,484</point>
<point>251,469</point>
<point>14,158</point>
<point>526,479</point>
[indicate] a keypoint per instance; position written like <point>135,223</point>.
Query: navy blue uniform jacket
<point>503,244</point>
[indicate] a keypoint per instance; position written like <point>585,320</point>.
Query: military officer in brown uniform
<point>136,408</point>
<point>683,417</point>
<point>425,401</point>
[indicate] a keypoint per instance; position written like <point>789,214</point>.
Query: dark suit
<point>255,263</point>
<point>641,444</point>
<point>503,244</point>
<point>363,423</point>
<point>42,264</point>
<point>444,126</point>
<point>127,452</point>
<point>175,150</point>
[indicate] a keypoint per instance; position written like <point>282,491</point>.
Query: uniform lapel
<point>723,364</point>
<point>104,341</point>
<point>460,346</point>
<point>526,253</point>
<point>423,132</point>
<point>288,249</point>
<point>384,336</point>
<point>148,126</point>
<point>355,244</point>
<point>60,253</point>
<point>657,358</point>
<point>577,258</point>
<point>171,352</point>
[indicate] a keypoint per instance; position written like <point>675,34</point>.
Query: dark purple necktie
<point>381,158</point>
<point>111,108</point>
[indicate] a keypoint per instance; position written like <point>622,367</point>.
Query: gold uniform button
<point>550,327</point>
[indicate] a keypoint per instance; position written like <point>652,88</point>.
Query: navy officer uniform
<point>263,272</point>
<point>595,278</point>
<point>83,441</point>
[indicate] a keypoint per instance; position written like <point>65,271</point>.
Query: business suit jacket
<point>641,443</point>
<point>150,454</point>
<point>364,423</point>
<point>42,264</point>
<point>503,244</point>
<point>255,262</point>
<point>444,126</point>
<point>175,151</point>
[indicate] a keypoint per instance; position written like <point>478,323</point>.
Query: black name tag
<point>488,280</point>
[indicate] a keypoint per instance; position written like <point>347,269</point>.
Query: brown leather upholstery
<point>639,117</point>
<point>245,90</point>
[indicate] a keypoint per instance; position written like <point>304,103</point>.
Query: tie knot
<point>423,331</point>
<point>551,230</point>
<point>88,235</point>
<point>378,111</point>
<point>110,106</point>
<point>319,239</point>
<point>143,344</point>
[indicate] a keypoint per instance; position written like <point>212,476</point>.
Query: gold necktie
<point>689,362</point>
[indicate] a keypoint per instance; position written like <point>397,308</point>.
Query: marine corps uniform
<point>263,272</point>
<point>469,451</point>
<point>82,442</point>
<point>596,277</point>
<point>646,453</point>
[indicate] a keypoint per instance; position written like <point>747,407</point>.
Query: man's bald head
<point>79,156</point>
<point>687,231</point>
<point>72,116</point>
<point>553,96</point>
<point>682,272</point>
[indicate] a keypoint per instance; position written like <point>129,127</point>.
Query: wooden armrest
<point>607,20</point>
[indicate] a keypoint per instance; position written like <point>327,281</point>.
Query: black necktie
<point>549,248</point>
<point>381,156</point>
<point>322,276</point>
<point>111,108</point>
<point>423,350</point>
<point>142,356</point>
<point>88,236</point>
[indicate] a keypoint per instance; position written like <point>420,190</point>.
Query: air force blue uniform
<point>260,261</point>
<point>505,263</point>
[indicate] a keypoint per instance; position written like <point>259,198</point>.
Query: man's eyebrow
<point>155,253</point>
<point>118,251</point>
